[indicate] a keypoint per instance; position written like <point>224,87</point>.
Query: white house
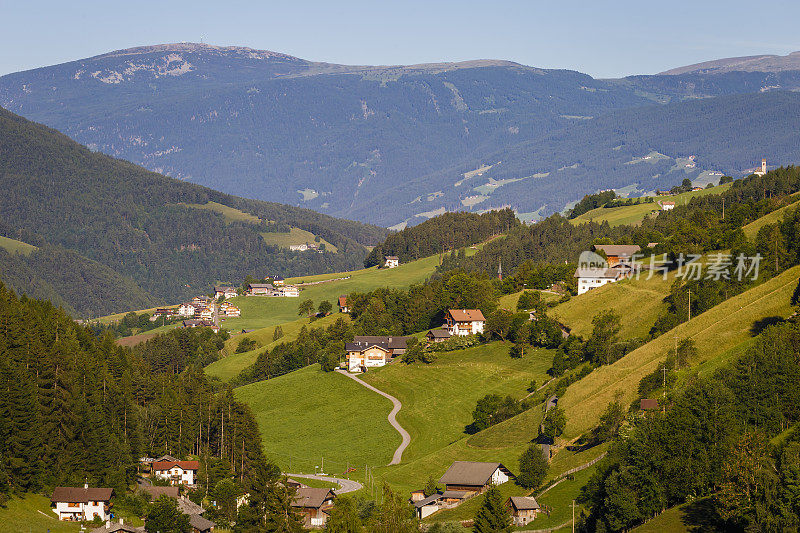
<point>391,261</point>
<point>298,247</point>
<point>591,278</point>
<point>186,309</point>
<point>667,206</point>
<point>230,311</point>
<point>177,472</point>
<point>464,321</point>
<point>373,351</point>
<point>76,503</point>
<point>289,291</point>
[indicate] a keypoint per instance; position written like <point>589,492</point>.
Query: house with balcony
<point>176,472</point>
<point>81,503</point>
<point>464,321</point>
<point>369,351</point>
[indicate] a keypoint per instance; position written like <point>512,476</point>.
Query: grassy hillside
<point>633,214</point>
<point>16,247</point>
<point>232,364</point>
<point>438,398</point>
<point>230,214</point>
<point>309,414</point>
<point>295,236</point>
<point>312,412</point>
<point>715,332</point>
<point>32,513</point>
<point>644,295</point>
<point>262,312</point>
<point>751,230</point>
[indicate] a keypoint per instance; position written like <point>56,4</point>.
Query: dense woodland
<point>120,217</point>
<point>444,233</point>
<point>77,407</point>
<point>712,447</point>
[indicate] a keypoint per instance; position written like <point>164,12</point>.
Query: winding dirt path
<point>345,485</point>
<point>398,453</point>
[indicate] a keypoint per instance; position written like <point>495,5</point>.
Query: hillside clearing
<point>231,214</point>
<point>644,295</point>
<point>16,247</point>
<point>634,214</point>
<point>751,230</point>
<point>715,331</point>
<point>295,236</point>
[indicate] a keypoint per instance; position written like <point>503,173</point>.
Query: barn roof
<point>524,503</point>
<point>470,473</point>
<point>466,315</point>
<point>81,494</point>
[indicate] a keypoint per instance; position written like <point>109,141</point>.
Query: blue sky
<point>604,39</point>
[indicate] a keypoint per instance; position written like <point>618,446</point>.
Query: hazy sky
<point>601,38</point>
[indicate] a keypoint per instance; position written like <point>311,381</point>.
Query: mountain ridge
<point>336,138</point>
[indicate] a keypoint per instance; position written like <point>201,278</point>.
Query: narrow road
<point>398,453</point>
<point>345,485</point>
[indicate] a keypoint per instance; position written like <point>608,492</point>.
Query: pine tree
<point>493,516</point>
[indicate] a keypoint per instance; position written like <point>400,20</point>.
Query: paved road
<point>398,453</point>
<point>345,485</point>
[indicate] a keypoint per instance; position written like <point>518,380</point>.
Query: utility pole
<point>723,208</point>
<point>573,516</point>
<point>690,305</point>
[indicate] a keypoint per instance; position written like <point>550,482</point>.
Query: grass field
<point>715,332</point>
<point>32,513</point>
<point>229,213</point>
<point>634,214</point>
<point>231,365</point>
<point>642,295</point>
<point>262,311</point>
<point>16,247</point>
<point>295,236</point>
<point>309,414</point>
<point>751,230</point>
<point>438,399</point>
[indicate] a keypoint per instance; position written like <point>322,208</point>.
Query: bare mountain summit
<point>765,63</point>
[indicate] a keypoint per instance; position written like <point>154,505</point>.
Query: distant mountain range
<point>105,235</point>
<point>393,145</point>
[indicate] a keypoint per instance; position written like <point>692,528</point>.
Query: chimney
<point>122,521</point>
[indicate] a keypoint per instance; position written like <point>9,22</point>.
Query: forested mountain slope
<point>136,223</point>
<point>393,144</point>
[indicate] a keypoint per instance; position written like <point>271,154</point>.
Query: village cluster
<point>462,480</point>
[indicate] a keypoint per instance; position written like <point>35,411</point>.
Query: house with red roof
<point>177,472</point>
<point>464,321</point>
